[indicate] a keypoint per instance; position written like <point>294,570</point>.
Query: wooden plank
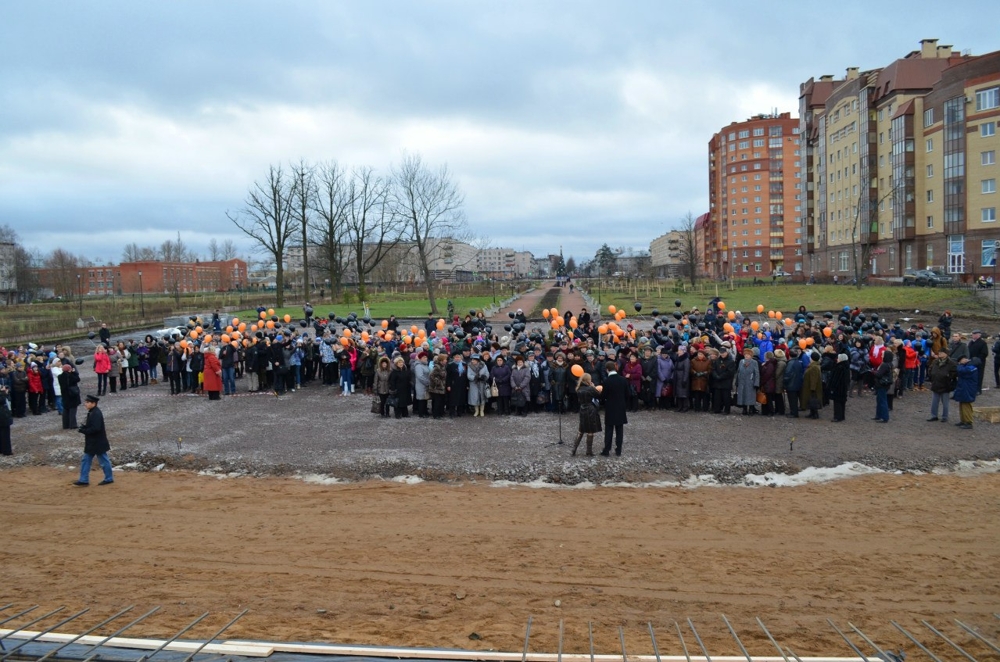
<point>250,649</point>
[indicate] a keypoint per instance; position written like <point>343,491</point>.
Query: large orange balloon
<point>602,329</point>
<point>827,332</point>
<point>345,341</point>
<point>577,370</point>
<point>287,318</point>
<point>229,329</point>
<point>235,321</point>
<point>721,305</point>
<point>788,321</point>
<point>389,335</point>
<point>760,308</point>
<point>347,333</point>
<point>225,338</point>
<point>269,324</point>
<point>754,325</point>
<point>413,329</point>
<point>440,324</point>
<point>364,336</point>
<point>270,311</point>
<point>727,327</point>
<point>777,314</point>
<point>198,329</point>
<point>555,324</point>
<point>810,341</point>
<point>242,327</point>
<point>619,333</point>
<point>253,328</point>
<point>731,315</point>
<point>770,314</point>
<point>263,314</point>
<point>184,344</point>
<point>554,311</point>
<point>803,344</point>
<point>207,338</point>
<point>193,333</point>
<point>385,324</point>
<point>573,323</point>
<point>612,310</point>
<point>546,313</point>
<point>620,315</point>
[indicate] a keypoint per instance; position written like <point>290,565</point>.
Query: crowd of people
<point>689,361</point>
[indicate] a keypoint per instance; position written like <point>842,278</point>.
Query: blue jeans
<point>85,467</point>
<point>229,381</point>
<point>943,399</point>
<point>882,403</point>
<point>59,403</point>
<point>152,370</point>
<point>347,380</point>
<point>297,371</point>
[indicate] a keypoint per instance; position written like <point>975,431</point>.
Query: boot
<point>590,445</point>
<point>576,444</point>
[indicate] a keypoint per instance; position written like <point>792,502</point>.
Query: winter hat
<point>841,358</point>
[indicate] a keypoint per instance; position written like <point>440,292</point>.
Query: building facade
<point>754,198</point>
<point>665,253</point>
<point>900,166</point>
<point>156,278</point>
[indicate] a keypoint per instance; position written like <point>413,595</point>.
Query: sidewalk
<point>573,302</point>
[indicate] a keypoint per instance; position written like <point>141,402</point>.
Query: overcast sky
<point>564,123</point>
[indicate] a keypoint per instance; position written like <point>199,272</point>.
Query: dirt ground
<point>431,564</point>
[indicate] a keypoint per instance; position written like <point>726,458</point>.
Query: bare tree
<point>688,249</point>
<point>267,218</point>
<point>131,252</point>
<point>303,197</point>
<point>429,206</point>
<point>17,268</point>
<point>175,251</point>
<point>228,250</point>
<point>328,226</point>
<point>214,252</point>
<point>865,222</point>
<point>370,225</point>
<point>63,268</point>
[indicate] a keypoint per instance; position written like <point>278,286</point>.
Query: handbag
<point>376,405</point>
<point>542,398</point>
<point>814,403</point>
<point>761,397</point>
<point>667,391</point>
<point>494,390</point>
<point>393,401</point>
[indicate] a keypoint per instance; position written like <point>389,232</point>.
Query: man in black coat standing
<point>615,398</point>
<point>96,444</point>
<point>979,349</point>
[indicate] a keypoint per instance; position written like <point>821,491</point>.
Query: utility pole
<point>79,294</point>
<point>142,303</point>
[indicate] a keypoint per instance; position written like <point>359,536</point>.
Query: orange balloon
<point>573,323</point>
<point>803,344</point>
<point>345,341</point>
<point>413,329</point>
<point>385,324</point>
<point>193,333</point>
<point>577,370</point>
<point>246,343</point>
<point>777,314</point>
<point>727,327</point>
<point>619,333</point>
<point>731,315</point>
<point>389,335</point>
<point>270,311</point>
<point>347,333</point>
<point>788,321</point>
<point>827,332</point>
<point>287,318</point>
<point>381,334</point>
<point>612,310</point>
<point>770,314</point>
<point>760,308</point>
<point>810,341</point>
<point>253,328</point>
<point>554,311</point>
<point>621,314</point>
<point>546,313</point>
<point>235,344</point>
<point>599,388</point>
<point>184,344</point>
<point>754,325</point>
<point>263,315</point>
<point>602,329</point>
<point>440,324</point>
<point>225,338</point>
<point>269,324</point>
<point>198,329</point>
<point>364,336</point>
<point>207,338</point>
<point>721,305</point>
<point>555,324</point>
<point>242,327</point>
<point>235,321</point>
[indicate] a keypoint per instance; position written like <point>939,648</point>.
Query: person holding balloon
<point>590,415</point>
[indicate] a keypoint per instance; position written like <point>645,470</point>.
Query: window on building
<point>989,157</point>
<point>956,254</point>
<point>744,144</point>
<point>987,129</point>
<point>745,133</point>
<point>928,117</point>
<point>989,253</point>
<point>930,221</point>
<point>987,99</point>
<point>930,144</point>
<point>930,170</point>
<point>930,195</point>
<point>757,253</point>
<point>989,186</point>
<point>759,131</point>
<point>989,214</point>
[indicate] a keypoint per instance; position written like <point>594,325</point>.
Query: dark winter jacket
<point>968,383</point>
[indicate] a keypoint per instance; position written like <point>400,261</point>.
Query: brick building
<point>157,278</point>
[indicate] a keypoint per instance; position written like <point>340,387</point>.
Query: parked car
<point>781,274</point>
<point>926,277</point>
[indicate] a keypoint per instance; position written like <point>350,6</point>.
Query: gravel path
<point>316,431</point>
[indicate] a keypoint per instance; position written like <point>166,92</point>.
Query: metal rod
<point>914,640</point>
<point>527,635</point>
<point>111,636</point>
<point>216,635</point>
<point>85,633</point>
<point>40,618</point>
<point>559,658</point>
<point>849,642</point>
<point>652,638</point>
<point>978,636</point>
<point>950,642</point>
<point>22,613</point>
<point>737,638</point>
<point>792,653</point>
<point>175,637</point>
<point>590,631</point>
<point>870,642</point>
<point>698,639</point>
<point>621,639</point>
<point>780,652</point>
<point>41,633</point>
<point>683,645</point>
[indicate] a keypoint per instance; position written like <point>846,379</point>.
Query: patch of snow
<point>407,480</point>
<point>971,468</point>
<point>319,479</point>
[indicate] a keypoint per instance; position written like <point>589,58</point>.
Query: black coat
<point>615,398</point>
<point>399,386</point>
<point>458,383</point>
<point>68,386</point>
<point>840,381</point>
<point>93,430</point>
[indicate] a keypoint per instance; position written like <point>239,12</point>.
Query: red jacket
<point>633,373</point>
<point>34,382</point>
<point>102,363</point>
<point>875,356</point>
<point>911,358</point>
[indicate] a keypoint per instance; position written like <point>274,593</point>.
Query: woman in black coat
<point>69,386</point>
<point>457,385</point>
<point>590,416</point>
<point>500,375</point>
<point>399,387</point>
<point>839,386</point>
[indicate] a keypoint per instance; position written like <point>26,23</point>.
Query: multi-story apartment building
<point>754,198</point>
<point>900,166</point>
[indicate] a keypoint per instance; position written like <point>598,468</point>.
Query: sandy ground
<point>431,564</point>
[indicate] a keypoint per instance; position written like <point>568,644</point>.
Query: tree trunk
<point>428,279</point>
<point>280,283</point>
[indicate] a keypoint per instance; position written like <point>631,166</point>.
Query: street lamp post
<point>79,294</point>
<point>142,302</point>
<point>493,285</point>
